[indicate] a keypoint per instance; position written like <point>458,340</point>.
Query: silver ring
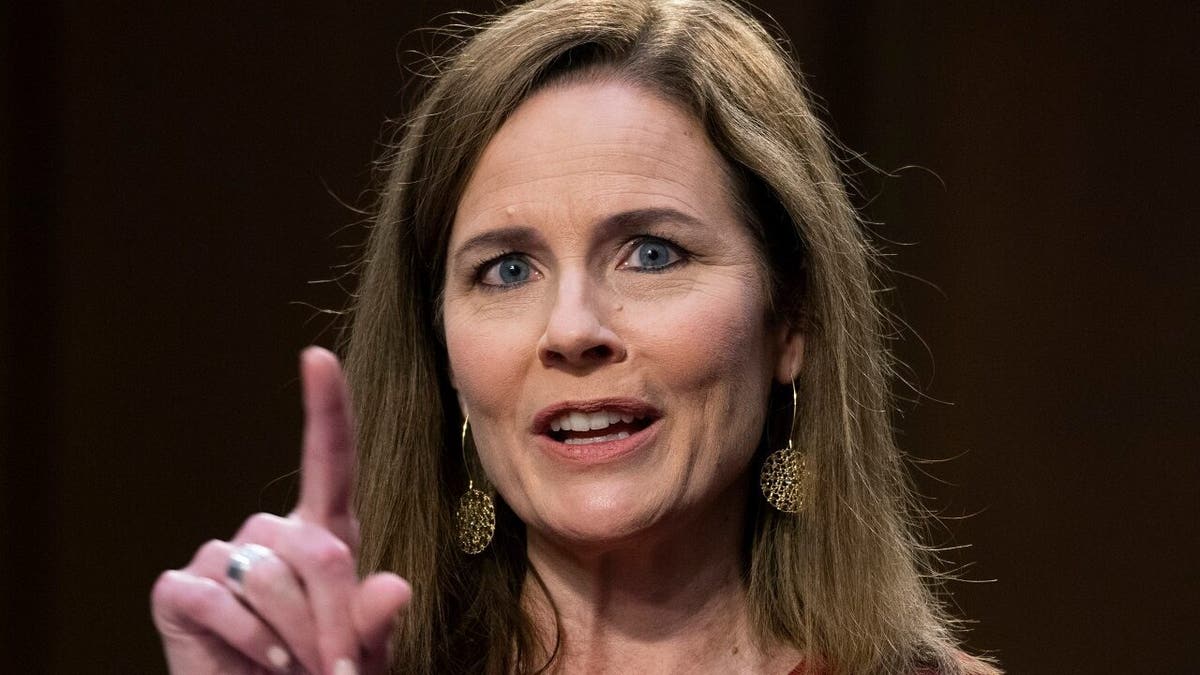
<point>240,561</point>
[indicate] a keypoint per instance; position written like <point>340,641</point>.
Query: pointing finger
<point>328,464</point>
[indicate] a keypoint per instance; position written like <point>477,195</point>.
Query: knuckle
<point>330,555</point>
<point>209,550</point>
<point>165,588</point>
<point>259,524</point>
<point>265,576</point>
<point>199,599</point>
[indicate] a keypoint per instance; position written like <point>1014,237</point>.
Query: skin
<point>303,609</point>
<point>617,541</point>
<point>639,554</point>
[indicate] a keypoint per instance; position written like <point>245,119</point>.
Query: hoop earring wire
<point>785,472</point>
<point>475,519</point>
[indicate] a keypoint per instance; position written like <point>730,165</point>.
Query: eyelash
<point>483,266</point>
<point>481,269</point>
<point>634,243</point>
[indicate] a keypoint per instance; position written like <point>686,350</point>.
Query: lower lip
<point>590,454</point>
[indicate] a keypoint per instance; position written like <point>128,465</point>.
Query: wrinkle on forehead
<point>583,152</point>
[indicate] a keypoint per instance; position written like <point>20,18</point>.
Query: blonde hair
<point>846,580</point>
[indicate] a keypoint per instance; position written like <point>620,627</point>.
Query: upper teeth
<point>581,421</point>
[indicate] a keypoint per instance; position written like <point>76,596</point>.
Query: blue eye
<point>508,270</point>
<point>652,254</point>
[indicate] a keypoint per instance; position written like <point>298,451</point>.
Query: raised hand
<point>299,605</point>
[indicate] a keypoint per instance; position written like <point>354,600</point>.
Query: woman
<point>620,390</point>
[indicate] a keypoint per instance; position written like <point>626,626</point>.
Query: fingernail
<point>279,657</point>
<point>314,352</point>
<point>344,667</point>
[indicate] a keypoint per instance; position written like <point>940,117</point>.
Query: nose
<point>578,336</point>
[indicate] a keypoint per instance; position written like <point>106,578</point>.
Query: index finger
<point>328,464</point>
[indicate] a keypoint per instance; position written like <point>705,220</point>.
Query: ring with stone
<point>240,561</point>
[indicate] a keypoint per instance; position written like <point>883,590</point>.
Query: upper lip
<point>623,405</point>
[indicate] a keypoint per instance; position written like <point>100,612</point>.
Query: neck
<point>668,600</point>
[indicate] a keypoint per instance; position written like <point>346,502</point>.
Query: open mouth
<point>596,431</point>
<point>584,428</point>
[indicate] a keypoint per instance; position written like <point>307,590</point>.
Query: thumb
<point>377,602</point>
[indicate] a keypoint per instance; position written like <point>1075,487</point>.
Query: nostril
<point>554,357</point>
<point>583,347</point>
<point>598,353</point>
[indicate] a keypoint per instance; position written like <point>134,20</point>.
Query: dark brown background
<point>171,183</point>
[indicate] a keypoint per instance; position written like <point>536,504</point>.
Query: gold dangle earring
<point>784,472</point>
<point>475,519</point>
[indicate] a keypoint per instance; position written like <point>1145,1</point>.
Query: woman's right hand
<point>301,607</point>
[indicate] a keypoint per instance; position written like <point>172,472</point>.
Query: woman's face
<point>605,317</point>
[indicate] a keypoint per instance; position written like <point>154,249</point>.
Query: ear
<point>462,405</point>
<point>791,354</point>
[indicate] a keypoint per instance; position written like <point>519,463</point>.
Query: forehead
<point>594,147</point>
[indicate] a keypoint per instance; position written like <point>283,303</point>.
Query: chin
<point>598,518</point>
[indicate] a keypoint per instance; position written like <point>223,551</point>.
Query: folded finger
<point>185,601</point>
<point>271,589</point>
<point>377,602</point>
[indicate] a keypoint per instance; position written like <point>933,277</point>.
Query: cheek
<point>477,359</point>
<point>714,328</point>
<point>490,357</point>
<point>488,360</point>
<point>712,355</point>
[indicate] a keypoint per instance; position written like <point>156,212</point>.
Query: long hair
<point>847,579</point>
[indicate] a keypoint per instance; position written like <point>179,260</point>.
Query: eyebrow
<point>524,236</point>
<point>515,236</point>
<point>626,220</point>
